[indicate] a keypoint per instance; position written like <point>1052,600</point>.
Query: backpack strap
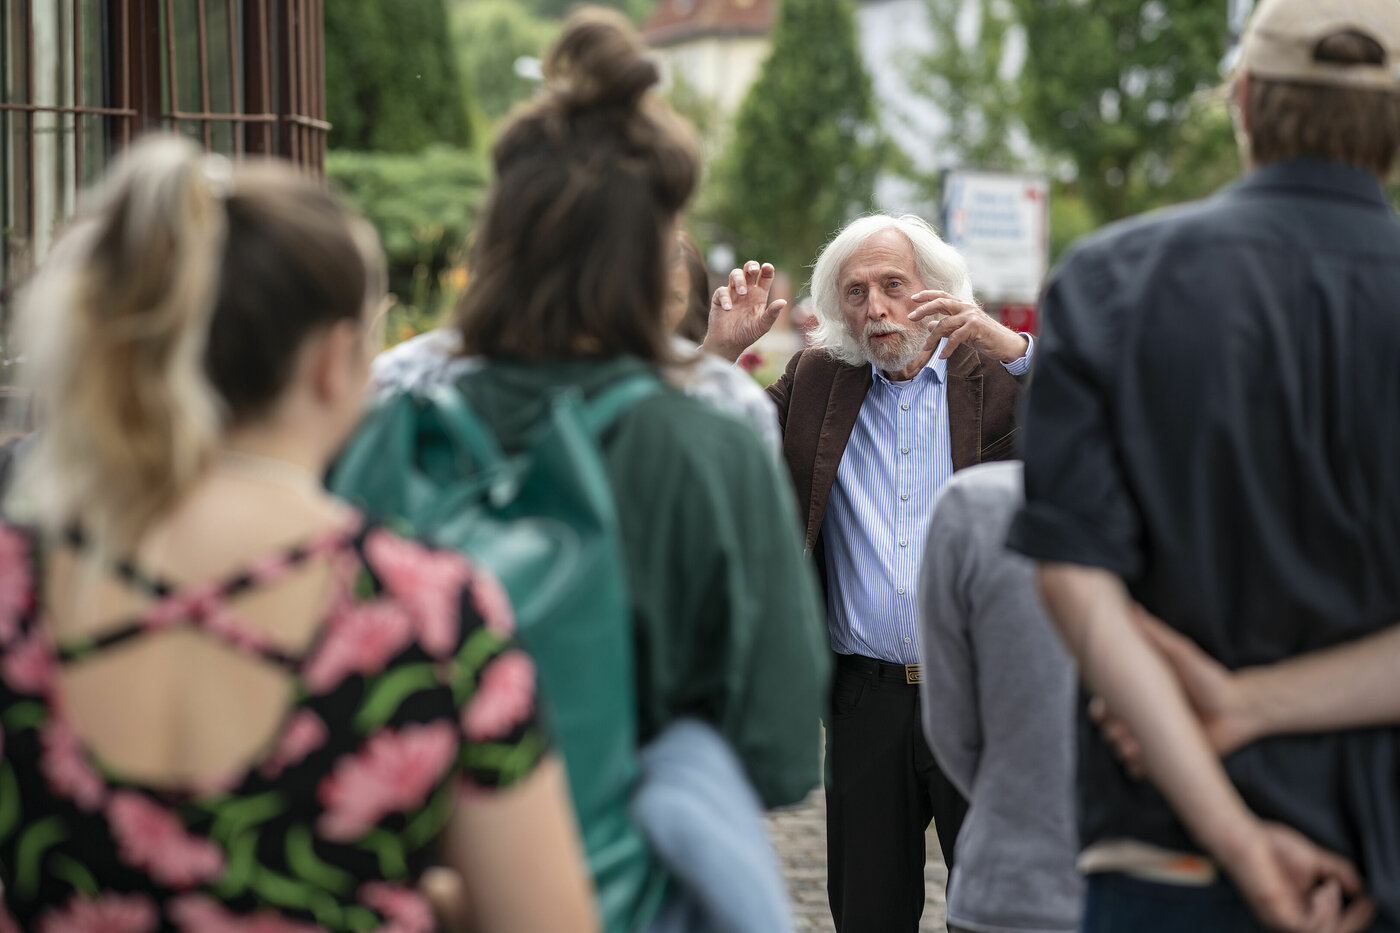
<point>465,427</point>
<point>602,411</point>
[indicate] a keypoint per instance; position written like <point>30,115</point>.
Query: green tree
<point>1112,86</point>
<point>636,10</point>
<point>968,78</point>
<point>1112,94</point>
<point>805,147</point>
<point>391,76</point>
<point>490,36</point>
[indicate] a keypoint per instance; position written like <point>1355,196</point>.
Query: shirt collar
<point>938,367</point>
<point>1332,179</point>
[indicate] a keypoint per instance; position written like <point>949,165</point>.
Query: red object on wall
<point>1024,319</point>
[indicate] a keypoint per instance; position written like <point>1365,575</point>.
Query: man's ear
<point>1240,93</point>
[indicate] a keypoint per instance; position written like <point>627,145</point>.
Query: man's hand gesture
<point>963,322</point>
<point>739,311</point>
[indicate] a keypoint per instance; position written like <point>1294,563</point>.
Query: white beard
<point>893,356</point>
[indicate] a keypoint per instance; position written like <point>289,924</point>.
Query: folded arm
<point>1290,883</point>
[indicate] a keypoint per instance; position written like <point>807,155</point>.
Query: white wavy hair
<point>940,266</point>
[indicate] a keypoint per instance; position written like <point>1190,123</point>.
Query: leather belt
<point>882,670</point>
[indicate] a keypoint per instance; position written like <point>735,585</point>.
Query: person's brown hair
<point>1289,120</point>
<point>174,308</point>
<point>573,250</point>
<point>697,306</point>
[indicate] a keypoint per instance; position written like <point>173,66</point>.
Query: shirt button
<point>904,544</point>
<point>905,406</point>
<point>901,591</point>
<point>905,496</point>
<point>904,450</point>
<point>906,641</point>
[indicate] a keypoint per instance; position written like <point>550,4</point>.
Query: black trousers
<point>882,789</point>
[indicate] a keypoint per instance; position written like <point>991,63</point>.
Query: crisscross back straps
<point>205,607</point>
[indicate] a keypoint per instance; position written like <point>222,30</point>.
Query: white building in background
<point>715,47</point>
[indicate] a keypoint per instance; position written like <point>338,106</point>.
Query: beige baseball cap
<point>1282,36</point>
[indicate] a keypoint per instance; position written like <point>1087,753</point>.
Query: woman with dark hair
<point>570,275</point>
<point>229,703</point>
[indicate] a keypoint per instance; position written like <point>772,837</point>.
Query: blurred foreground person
<point>908,379</point>
<point>723,632</point>
<point>228,702</point>
<point>997,692</point>
<point>1212,433</point>
<point>688,299</point>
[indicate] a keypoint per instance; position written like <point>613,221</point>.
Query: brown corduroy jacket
<point>819,399</point>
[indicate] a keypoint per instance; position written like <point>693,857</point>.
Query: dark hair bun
<point>599,61</point>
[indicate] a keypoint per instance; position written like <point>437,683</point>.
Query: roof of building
<point>676,21</point>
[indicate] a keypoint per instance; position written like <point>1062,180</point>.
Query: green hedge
<point>424,207</point>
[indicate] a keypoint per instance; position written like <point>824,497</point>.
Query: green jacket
<point>729,626</point>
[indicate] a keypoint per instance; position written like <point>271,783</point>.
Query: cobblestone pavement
<point>800,836</point>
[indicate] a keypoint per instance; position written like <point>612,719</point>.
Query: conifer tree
<point>392,83</point>
<point>805,148</point>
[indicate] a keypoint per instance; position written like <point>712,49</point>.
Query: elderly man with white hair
<point>907,380</point>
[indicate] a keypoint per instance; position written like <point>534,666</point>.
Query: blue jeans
<point>1120,904</point>
<point>1117,903</point>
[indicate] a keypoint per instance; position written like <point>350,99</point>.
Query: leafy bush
<point>424,207</point>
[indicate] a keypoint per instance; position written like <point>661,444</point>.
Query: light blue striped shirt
<point>897,459</point>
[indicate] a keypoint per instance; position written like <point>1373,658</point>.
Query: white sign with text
<point>1001,225</point>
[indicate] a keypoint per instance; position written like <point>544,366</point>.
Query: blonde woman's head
<point>177,308</point>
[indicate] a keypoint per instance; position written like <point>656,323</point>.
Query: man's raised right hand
<point>739,311</point>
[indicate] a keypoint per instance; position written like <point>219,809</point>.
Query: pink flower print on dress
<point>304,734</point>
<point>151,838</point>
<point>16,582</point>
<point>111,913</point>
<point>393,772</point>
<point>406,910</point>
<point>66,768</point>
<point>503,699</point>
<point>363,639</point>
<point>492,603</point>
<point>429,583</point>
<point>28,664</point>
<point>195,913</point>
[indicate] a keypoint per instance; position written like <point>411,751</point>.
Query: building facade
<point>715,48</point>
<point>80,79</point>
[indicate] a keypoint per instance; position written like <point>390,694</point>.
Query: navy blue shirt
<point>1215,416</point>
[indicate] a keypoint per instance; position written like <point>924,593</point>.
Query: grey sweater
<point>998,699</point>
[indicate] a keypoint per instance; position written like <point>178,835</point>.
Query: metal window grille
<point>79,79</point>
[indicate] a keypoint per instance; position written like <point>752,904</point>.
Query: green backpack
<point>545,523</point>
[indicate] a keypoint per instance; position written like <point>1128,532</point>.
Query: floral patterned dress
<point>412,692</point>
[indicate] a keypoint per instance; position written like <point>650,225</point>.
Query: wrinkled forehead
<point>888,252</point>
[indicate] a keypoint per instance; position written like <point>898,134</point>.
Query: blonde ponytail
<point>114,328</point>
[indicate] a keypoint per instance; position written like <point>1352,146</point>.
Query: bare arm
<point>519,854</point>
<point>1291,884</point>
<point>1344,687</point>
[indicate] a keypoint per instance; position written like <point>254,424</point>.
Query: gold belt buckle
<point>913,674</point>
